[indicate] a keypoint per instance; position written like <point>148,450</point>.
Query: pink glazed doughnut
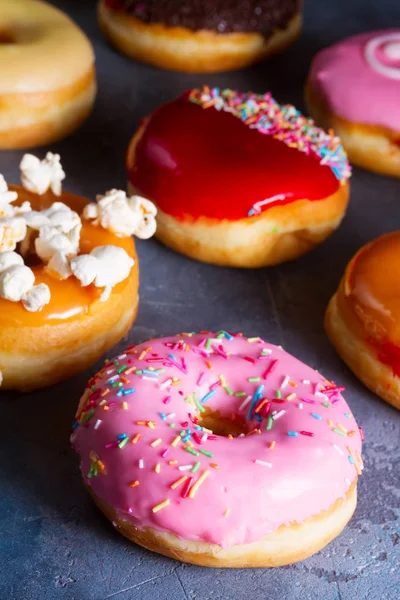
<point>219,450</point>
<point>354,88</point>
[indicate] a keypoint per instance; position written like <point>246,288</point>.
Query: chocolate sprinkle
<point>223,16</point>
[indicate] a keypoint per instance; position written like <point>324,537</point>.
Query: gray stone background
<point>54,544</point>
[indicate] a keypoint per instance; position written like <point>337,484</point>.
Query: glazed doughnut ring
<point>219,450</point>
<point>47,85</point>
<point>363,317</point>
<point>68,275</point>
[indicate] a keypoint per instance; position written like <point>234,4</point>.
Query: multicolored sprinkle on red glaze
<point>196,162</point>
<point>249,439</point>
<point>282,121</point>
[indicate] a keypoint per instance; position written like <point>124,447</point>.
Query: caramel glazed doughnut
<point>238,179</point>
<point>68,274</point>
<point>354,87</point>
<point>363,317</point>
<point>47,85</point>
<point>219,450</point>
<point>200,35</point>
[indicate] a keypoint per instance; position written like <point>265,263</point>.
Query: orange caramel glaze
<point>69,300</point>
<point>369,297</point>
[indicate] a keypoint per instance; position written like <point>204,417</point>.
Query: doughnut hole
<point>223,425</point>
<point>26,249</point>
<point>6,37</point>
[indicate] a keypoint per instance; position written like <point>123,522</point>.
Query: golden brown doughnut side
<point>288,544</point>
<point>44,356</point>
<point>279,234</point>
<point>349,342</point>
<point>41,118</point>
<point>181,49</point>
<point>370,147</point>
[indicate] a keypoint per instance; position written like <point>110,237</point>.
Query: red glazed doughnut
<point>219,450</point>
<point>238,179</point>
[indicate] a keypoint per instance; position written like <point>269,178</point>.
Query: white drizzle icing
<point>392,50</point>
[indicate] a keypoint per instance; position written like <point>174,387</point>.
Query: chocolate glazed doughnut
<point>225,16</point>
<point>200,36</point>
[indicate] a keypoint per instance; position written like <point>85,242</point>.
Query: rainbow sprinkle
<point>186,457</point>
<point>282,121</point>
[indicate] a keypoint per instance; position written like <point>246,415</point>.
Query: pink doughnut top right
<point>359,78</point>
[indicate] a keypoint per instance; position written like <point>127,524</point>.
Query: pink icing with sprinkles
<point>292,453</point>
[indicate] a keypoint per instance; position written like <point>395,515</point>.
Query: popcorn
<point>59,230</point>
<point>6,196</point>
<point>114,265</point>
<point>50,241</point>
<point>35,219</point>
<point>12,231</point>
<point>59,266</point>
<point>61,216</point>
<point>37,297</point>
<point>54,234</point>
<point>38,176</point>
<point>17,283</point>
<point>8,259</point>
<point>84,268</point>
<point>121,215</point>
<point>105,266</point>
<point>148,225</point>
<point>12,225</point>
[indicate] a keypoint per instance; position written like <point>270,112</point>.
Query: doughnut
<point>354,87</point>
<point>219,450</point>
<point>68,275</point>
<point>363,317</point>
<point>238,179</point>
<point>48,82</point>
<point>200,36</point>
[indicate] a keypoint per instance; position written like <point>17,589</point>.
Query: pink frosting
<point>353,87</point>
<point>297,425</point>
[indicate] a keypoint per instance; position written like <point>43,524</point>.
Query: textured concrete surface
<point>54,544</point>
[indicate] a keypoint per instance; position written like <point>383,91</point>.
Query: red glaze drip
<point>195,162</point>
<point>389,355</point>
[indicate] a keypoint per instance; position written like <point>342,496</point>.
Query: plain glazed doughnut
<point>200,35</point>
<point>238,179</point>
<point>47,85</point>
<point>219,450</point>
<point>68,277</point>
<point>354,87</point>
<point>363,317</point>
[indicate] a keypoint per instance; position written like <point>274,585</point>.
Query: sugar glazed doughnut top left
<point>68,274</point>
<point>238,179</point>
<point>219,450</point>
<point>48,83</point>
